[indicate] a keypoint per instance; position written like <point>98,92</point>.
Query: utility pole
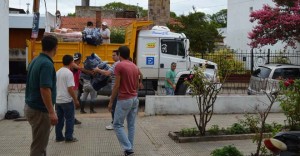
<point>35,25</point>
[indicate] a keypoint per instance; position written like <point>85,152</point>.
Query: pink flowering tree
<point>279,23</point>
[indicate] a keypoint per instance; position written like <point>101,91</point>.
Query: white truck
<point>152,50</point>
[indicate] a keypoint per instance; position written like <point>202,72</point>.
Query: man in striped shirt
<point>110,72</point>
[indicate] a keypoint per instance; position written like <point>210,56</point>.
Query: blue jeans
<point>114,108</point>
<point>65,111</point>
<point>169,91</point>
<point>126,109</point>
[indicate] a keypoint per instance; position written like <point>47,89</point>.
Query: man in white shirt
<point>65,101</point>
<point>105,33</point>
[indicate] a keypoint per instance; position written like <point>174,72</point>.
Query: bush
<point>117,35</point>
<point>214,130</point>
<point>237,128</point>
<point>226,151</point>
<point>187,132</point>
<point>227,62</point>
<point>290,101</point>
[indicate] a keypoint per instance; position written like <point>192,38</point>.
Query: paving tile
<point>151,138</point>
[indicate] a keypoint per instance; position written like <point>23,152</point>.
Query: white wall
<point>238,24</point>
<point>225,104</point>
<point>4,41</point>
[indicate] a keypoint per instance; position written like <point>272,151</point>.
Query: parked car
<point>267,77</point>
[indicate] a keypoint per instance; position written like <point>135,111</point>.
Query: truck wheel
<point>183,89</point>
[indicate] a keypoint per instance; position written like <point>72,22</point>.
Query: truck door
<point>172,50</point>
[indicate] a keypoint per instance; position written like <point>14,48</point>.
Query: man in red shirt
<point>126,86</point>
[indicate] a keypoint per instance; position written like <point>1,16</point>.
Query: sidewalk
<point>151,137</point>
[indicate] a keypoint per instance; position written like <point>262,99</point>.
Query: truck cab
<point>157,49</point>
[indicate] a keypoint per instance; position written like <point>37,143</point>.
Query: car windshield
<point>262,72</point>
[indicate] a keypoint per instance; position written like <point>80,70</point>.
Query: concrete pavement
<point>151,137</point>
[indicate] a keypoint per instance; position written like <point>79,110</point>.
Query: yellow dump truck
<point>152,50</point>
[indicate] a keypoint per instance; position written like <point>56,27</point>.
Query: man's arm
<point>102,72</point>
<point>72,93</point>
<point>75,66</point>
<point>46,96</point>
<point>141,86</point>
<point>114,92</point>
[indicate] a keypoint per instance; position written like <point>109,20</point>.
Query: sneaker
<point>71,140</point>
<point>82,112</point>
<point>92,111</point>
<point>60,140</point>
<point>77,122</point>
<point>128,153</point>
<point>109,127</point>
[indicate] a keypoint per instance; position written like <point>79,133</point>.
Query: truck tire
<point>182,89</point>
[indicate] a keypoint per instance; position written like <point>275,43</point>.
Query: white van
<point>267,77</point>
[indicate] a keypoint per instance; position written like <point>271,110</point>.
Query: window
<point>286,73</point>
<point>172,47</point>
<point>262,72</point>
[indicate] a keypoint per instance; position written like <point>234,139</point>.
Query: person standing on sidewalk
<point>65,101</point>
<point>40,95</point>
<point>76,73</point>
<point>170,85</point>
<point>110,72</point>
<point>126,86</point>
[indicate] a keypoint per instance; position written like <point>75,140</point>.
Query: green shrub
<point>117,35</point>
<point>226,151</point>
<point>290,102</point>
<point>227,63</point>
<point>214,130</point>
<point>237,128</point>
<point>187,132</point>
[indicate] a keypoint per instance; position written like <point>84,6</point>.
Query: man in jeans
<point>170,85</point>
<point>65,101</point>
<point>40,95</point>
<point>126,86</point>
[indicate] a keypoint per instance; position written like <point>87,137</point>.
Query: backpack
<point>92,36</point>
<point>12,114</point>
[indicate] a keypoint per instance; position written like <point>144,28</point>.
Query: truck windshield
<point>172,47</point>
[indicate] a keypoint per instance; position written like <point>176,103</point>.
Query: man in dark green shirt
<point>40,96</point>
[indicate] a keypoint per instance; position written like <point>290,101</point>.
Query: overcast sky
<point>178,6</point>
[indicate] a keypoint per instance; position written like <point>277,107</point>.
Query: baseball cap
<point>104,23</point>
<point>77,56</point>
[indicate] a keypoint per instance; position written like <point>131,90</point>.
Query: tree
<point>220,18</point>
<point>274,24</point>
<point>205,92</point>
<point>71,14</point>
<point>118,6</point>
<point>198,29</point>
<point>173,14</point>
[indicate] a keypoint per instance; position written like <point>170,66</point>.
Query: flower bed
<point>181,139</point>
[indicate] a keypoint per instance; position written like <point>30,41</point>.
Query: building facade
<point>239,25</point>
<point>4,41</point>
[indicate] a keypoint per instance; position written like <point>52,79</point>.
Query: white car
<point>266,78</point>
